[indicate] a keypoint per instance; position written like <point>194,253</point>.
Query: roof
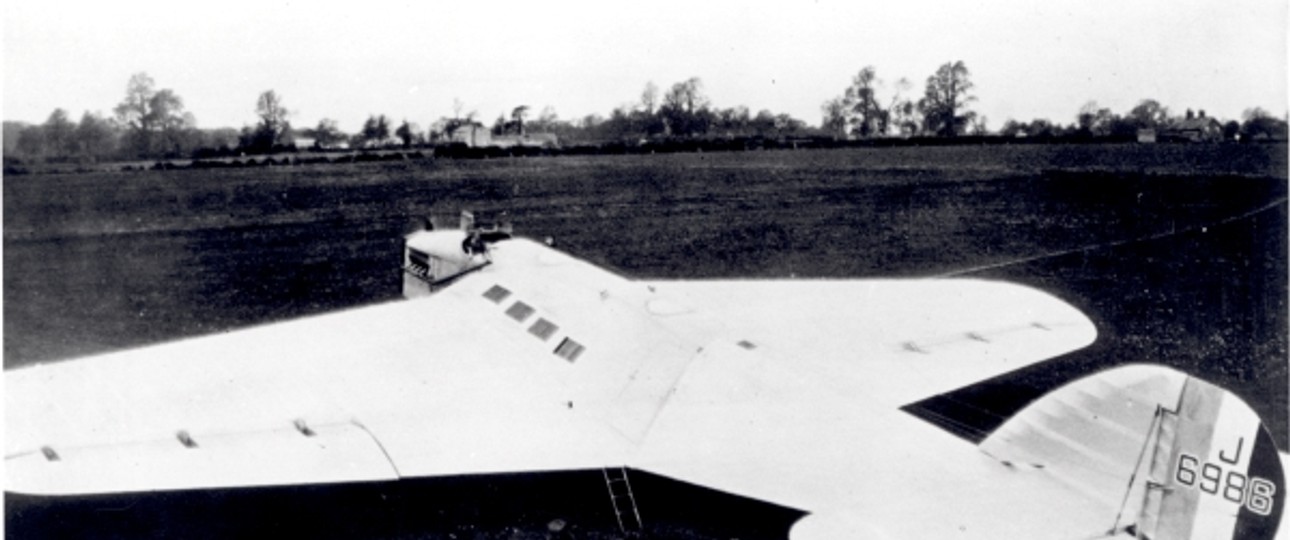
<point>1200,123</point>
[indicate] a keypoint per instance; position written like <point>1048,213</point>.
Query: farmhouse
<point>1196,127</point>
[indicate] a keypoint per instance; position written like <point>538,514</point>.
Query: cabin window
<point>569,349</point>
<point>519,311</point>
<point>418,263</point>
<point>497,293</point>
<point>543,329</point>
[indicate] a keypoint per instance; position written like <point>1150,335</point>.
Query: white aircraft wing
<point>789,392</point>
<point>453,384</point>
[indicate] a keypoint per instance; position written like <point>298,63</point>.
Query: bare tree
<point>547,120</point>
<point>1260,124</point>
<point>60,134</point>
<point>457,106</point>
<point>376,130</point>
<point>649,97</point>
<point>685,108</point>
<point>134,110</point>
<point>155,118</point>
<point>735,120</point>
<point>1149,114</point>
<point>517,117</point>
<point>835,117</point>
<point>686,96</point>
<point>1094,120</point>
<point>407,132</point>
<point>866,115</point>
<point>95,137</point>
<point>901,111</point>
<point>273,116</point>
<point>944,104</point>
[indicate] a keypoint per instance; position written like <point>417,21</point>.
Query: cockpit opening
<point>434,259</point>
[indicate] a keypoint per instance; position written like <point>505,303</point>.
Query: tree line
<point>860,113</point>
<point>944,111</point>
<point>1096,122</point>
<point>152,123</point>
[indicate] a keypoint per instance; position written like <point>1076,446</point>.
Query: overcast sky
<point>346,60</point>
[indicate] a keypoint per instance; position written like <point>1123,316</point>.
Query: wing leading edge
<point>537,361</point>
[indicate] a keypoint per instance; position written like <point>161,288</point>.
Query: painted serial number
<point>1252,492</point>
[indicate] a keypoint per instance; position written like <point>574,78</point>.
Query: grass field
<point>1177,252</point>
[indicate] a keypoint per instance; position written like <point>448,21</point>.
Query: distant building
<point>478,136</point>
<point>1196,127</point>
<point>538,140</point>
<point>1146,135</point>
<point>473,135</point>
<point>389,142</point>
<point>305,143</point>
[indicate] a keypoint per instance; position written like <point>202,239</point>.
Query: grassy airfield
<point>1177,252</point>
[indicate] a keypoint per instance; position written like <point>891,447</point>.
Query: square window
<point>543,329</point>
<point>497,293</point>
<point>569,349</point>
<point>519,311</point>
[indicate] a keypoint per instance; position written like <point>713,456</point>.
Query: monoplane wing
<point>483,377</point>
<point>789,392</point>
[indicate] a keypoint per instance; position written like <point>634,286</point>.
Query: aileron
<point>338,452</point>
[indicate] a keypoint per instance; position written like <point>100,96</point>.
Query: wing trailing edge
<point>293,455</point>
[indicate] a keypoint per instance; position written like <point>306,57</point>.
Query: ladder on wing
<point>620,495</point>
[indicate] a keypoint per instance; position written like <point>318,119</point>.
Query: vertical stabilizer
<point>1215,471</point>
<point>1172,456</point>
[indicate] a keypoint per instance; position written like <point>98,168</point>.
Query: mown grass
<point>1177,252</point>
<point>145,256</point>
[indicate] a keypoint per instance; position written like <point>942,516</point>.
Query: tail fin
<point>1175,457</point>
<point>1216,472</point>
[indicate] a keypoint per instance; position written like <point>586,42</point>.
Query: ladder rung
<point>620,489</point>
